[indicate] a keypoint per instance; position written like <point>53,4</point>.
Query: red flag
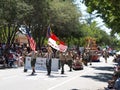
<point>56,43</point>
<point>62,46</point>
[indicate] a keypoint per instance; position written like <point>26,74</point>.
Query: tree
<point>38,19</point>
<point>108,10</point>
<point>9,16</point>
<point>64,22</point>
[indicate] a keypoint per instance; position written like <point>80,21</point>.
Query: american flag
<point>26,31</point>
<point>30,39</point>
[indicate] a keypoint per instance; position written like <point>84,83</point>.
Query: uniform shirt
<point>62,56</point>
<point>33,55</point>
<point>69,56</point>
<point>49,56</point>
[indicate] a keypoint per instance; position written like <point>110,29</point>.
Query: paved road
<point>93,77</point>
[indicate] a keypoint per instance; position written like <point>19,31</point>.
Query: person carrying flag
<point>26,31</point>
<point>49,59</point>
<point>33,55</point>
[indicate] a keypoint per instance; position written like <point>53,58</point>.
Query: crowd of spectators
<point>12,56</point>
<point>114,83</point>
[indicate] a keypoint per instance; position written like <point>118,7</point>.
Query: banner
<point>41,63</point>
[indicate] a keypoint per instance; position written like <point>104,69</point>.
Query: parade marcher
<point>49,59</point>
<point>117,82</point>
<point>33,61</point>
<point>105,54</point>
<point>33,55</point>
<point>62,61</point>
<point>85,58</point>
<point>69,59</point>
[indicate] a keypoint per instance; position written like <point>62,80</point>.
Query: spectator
<point>117,82</point>
<point>114,83</point>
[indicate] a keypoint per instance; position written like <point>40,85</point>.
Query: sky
<point>98,19</point>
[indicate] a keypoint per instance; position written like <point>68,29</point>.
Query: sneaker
<point>48,74</point>
<point>62,72</point>
<point>32,73</point>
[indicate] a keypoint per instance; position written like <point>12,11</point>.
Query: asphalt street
<point>92,77</point>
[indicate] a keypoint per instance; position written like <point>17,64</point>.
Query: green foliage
<point>62,15</point>
<point>65,17</point>
<point>108,10</point>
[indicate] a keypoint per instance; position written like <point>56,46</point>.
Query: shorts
<point>33,62</point>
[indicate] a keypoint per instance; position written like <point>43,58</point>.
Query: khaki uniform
<point>33,58</point>
<point>49,60</point>
<point>62,61</point>
<point>105,55</point>
<point>62,56</point>
<point>33,55</point>
<point>69,59</point>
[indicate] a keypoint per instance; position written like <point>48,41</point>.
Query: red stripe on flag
<point>54,37</point>
<point>59,45</point>
<point>62,47</point>
<point>32,43</point>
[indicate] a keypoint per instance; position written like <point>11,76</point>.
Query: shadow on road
<point>103,77</point>
<point>105,68</point>
<point>51,76</point>
<point>54,76</point>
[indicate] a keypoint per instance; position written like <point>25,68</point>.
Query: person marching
<point>62,61</point>
<point>69,59</point>
<point>49,59</point>
<point>33,55</point>
<point>105,54</point>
